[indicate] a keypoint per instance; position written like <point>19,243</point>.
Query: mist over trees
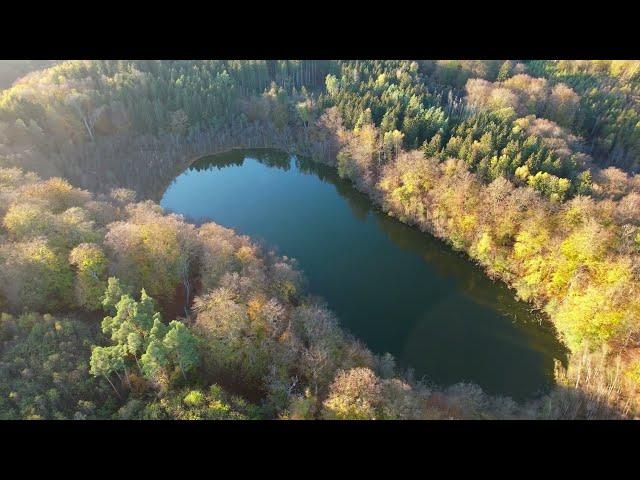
<point>12,70</point>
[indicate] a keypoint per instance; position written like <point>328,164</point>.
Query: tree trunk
<point>113,386</point>
<point>88,129</point>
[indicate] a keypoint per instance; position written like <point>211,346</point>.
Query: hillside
<point>528,167</point>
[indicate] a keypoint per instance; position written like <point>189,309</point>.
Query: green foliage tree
<point>516,170</point>
<point>181,346</point>
<point>91,268</point>
<point>106,361</point>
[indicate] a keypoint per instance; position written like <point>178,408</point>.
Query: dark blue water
<point>397,289</point>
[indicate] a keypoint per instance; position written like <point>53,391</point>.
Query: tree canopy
<point>529,167</point>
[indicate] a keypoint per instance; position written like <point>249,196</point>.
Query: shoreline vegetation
<point>493,164</point>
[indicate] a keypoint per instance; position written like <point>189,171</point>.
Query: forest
<point>114,309</point>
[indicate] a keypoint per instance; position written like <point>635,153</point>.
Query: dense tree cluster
<point>500,119</point>
<point>53,121</point>
<point>44,369</point>
<point>517,122</point>
<point>609,109</point>
<point>577,259</point>
<point>525,166</point>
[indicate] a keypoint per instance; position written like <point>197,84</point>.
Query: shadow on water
<point>397,289</point>
<point>270,158</point>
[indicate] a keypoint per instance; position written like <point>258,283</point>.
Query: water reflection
<point>397,289</point>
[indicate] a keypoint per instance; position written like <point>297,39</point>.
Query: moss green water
<point>395,288</point>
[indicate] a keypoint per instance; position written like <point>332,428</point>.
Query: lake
<point>395,288</point>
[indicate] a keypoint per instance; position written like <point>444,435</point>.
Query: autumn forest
<point>113,307</point>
